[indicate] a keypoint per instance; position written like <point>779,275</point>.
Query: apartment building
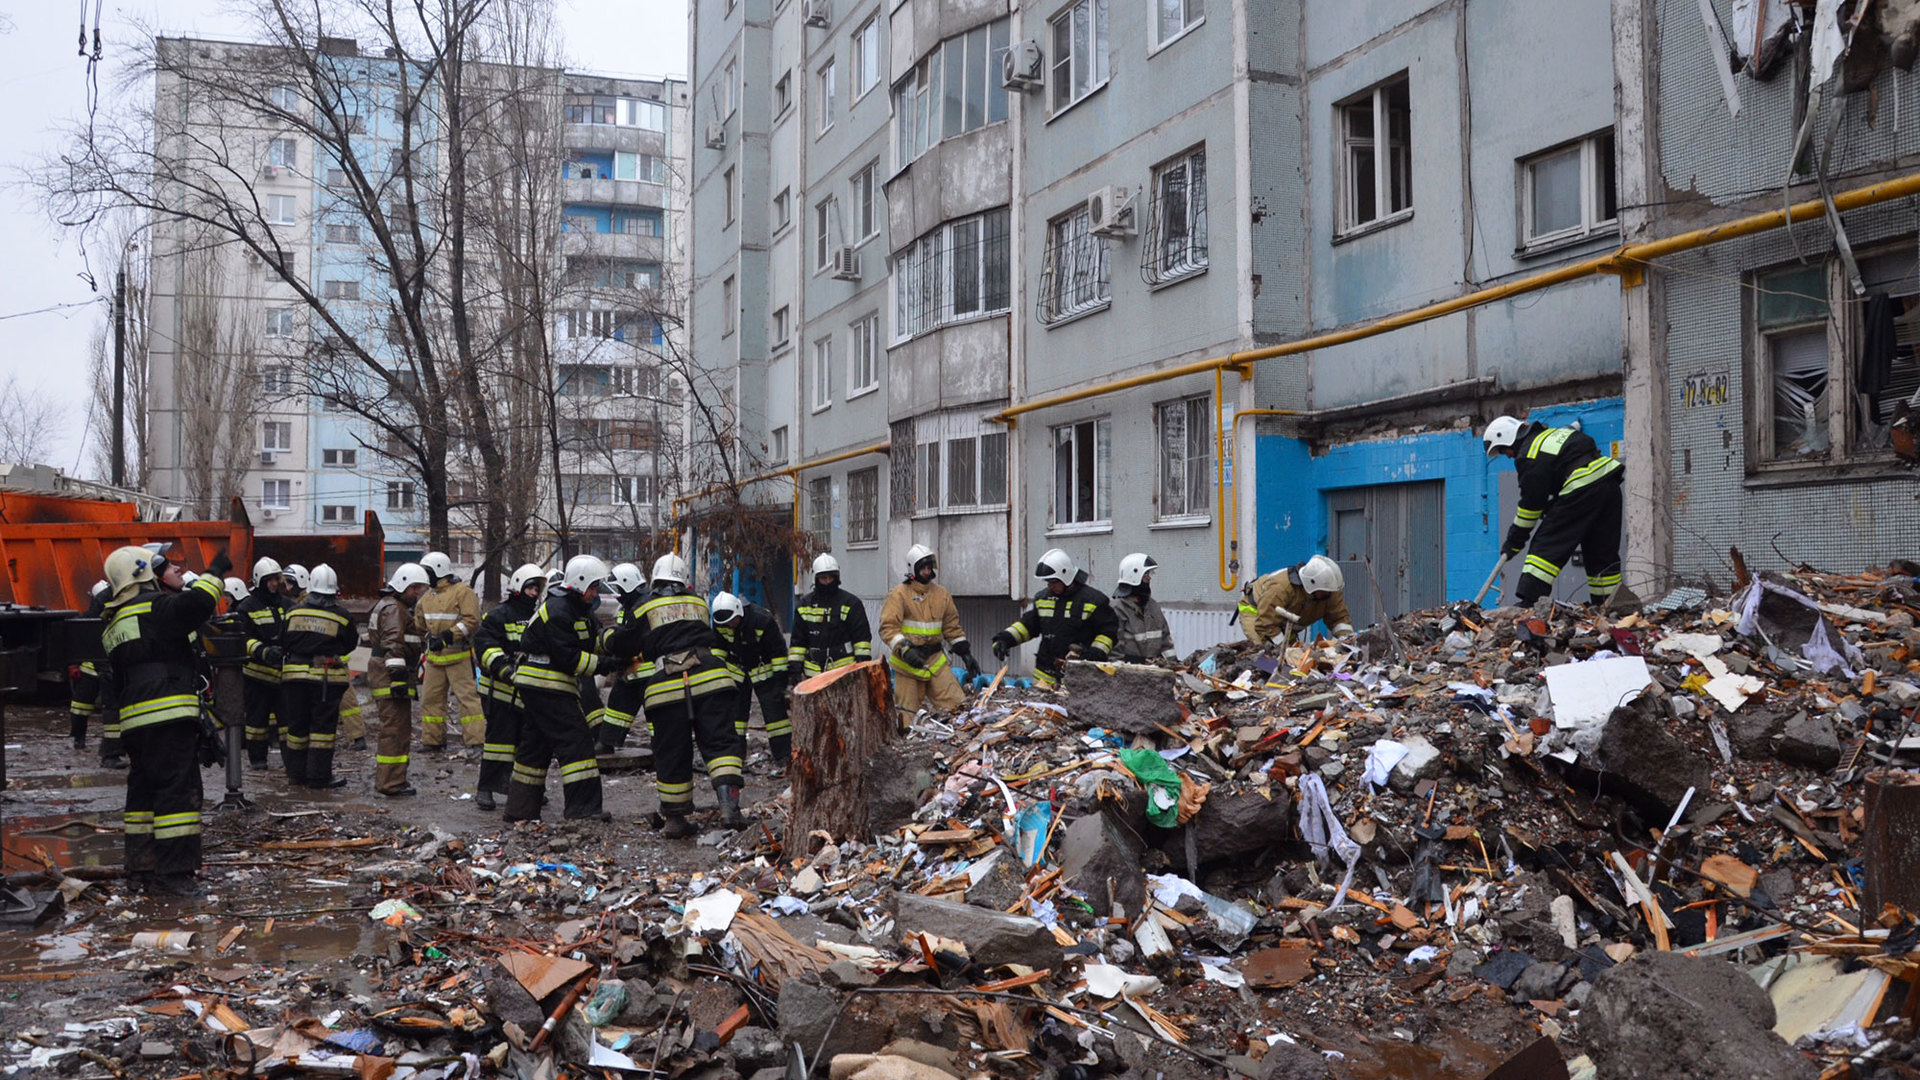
<point>575,213</point>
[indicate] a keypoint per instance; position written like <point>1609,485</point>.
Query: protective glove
<point>1097,651</point>
<point>608,665</point>
<point>919,655</point>
<point>1515,543</point>
<point>220,565</point>
<point>1285,614</point>
<point>436,642</point>
<point>1076,651</point>
<point>1002,644</point>
<point>796,673</point>
<point>964,650</point>
<point>273,655</point>
<point>1343,630</point>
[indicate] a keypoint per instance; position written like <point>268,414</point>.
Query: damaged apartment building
<point>981,275</point>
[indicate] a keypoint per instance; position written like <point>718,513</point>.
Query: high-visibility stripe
<point>391,759</point>
<point>1597,469</point>
<point>137,822</point>
<point>87,668</point>
<point>82,708</point>
<point>449,659</point>
<point>934,666</point>
<point>575,771</point>
<point>497,752</point>
<point>1542,569</point>
<point>782,726</point>
<point>527,774</point>
<point>917,626</point>
<point>1045,679</point>
<point>159,711</point>
<point>545,678</point>
<point>1103,642</point>
<point>1020,633</point>
<point>616,718</point>
<point>174,828</point>
<point>321,740</point>
<point>294,742</point>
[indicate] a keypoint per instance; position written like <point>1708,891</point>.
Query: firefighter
<point>690,684</point>
<point>152,617</point>
<point>91,695</point>
<point>498,643</point>
<point>759,650</point>
<point>265,618</point>
<point>395,650</point>
<point>1144,634</point>
<point>318,638</point>
<point>1072,619</point>
<point>447,617</point>
<point>558,648</point>
<point>1290,600</point>
<point>625,698</point>
<point>1570,496</point>
<point>830,628</point>
<point>918,623</point>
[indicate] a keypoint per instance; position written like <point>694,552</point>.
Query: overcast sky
<point>43,83</point>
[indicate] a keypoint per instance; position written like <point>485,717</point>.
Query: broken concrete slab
<point>1423,762</point>
<point>1809,741</point>
<point>991,937</point>
<point>1233,824</point>
<point>1645,762</point>
<point>1664,1016</point>
<point>1133,698</point>
<point>1753,730</point>
<point>1100,858</point>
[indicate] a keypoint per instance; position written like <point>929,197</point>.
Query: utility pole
<point>120,377</point>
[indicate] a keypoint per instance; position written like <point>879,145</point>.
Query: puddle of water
<point>1445,1056</point>
<point>69,839</point>
<point>55,781</point>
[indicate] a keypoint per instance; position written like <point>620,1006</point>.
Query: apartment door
<point>1390,541</point>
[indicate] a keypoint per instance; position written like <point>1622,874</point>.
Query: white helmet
<point>1321,574</point>
<point>1055,566</point>
<point>669,567</point>
<point>236,589</point>
<point>1500,434</point>
<point>727,607</point>
<point>128,568</point>
<point>323,581</point>
<point>263,568</point>
<point>555,577</point>
<point>916,553</point>
<point>825,564</point>
<point>99,588</point>
<point>296,574</point>
<point>1135,568</point>
<point>625,578</point>
<point>406,576</point>
<point>525,576</point>
<point>437,565</point>
<point>583,574</point>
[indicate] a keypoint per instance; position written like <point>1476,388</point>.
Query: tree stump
<point>841,719</point>
<point>1891,845</point>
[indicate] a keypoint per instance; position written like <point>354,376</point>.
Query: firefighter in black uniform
<point>318,637</point>
<point>1570,497</point>
<point>153,616</point>
<point>558,647</point>
<point>1072,619</point>
<point>92,694</point>
<point>265,609</point>
<point>759,649</point>
<point>625,698</point>
<point>690,687</point>
<point>497,643</point>
<point>830,628</point>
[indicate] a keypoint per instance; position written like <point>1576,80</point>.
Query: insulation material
<point>1763,32</point>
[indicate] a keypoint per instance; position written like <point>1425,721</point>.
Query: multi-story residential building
<point>597,248</point>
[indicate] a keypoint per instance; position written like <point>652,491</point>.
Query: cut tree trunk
<point>841,719</point>
<point>1892,841</point>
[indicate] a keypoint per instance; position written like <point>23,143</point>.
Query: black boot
<point>484,800</point>
<point>678,827</point>
<point>730,815</point>
<point>77,727</point>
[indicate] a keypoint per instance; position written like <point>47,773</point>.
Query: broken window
<point>1886,339</point>
<point>1792,317</point>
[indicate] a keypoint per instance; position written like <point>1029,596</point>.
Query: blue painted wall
<point>1292,488</point>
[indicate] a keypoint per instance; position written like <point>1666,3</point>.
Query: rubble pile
<point>1541,843</point>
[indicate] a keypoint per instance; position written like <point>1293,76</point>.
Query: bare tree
<point>136,423</point>
<point>218,363</point>
<point>29,421</point>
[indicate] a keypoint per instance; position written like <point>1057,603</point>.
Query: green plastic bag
<point>1163,785</point>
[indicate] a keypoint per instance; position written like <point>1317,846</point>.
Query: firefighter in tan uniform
<point>447,618</point>
<point>395,651</point>
<point>1289,601</point>
<point>919,622</point>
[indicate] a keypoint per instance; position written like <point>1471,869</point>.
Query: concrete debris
<point>1663,1016</point>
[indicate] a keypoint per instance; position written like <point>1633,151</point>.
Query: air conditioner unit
<point>846,264</point>
<point>268,515</point>
<point>266,457</point>
<point>818,12</point>
<point>1111,211</point>
<point>269,171</point>
<point>1023,67</point>
<point>717,135</point>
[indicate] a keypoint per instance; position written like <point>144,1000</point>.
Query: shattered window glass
<point>1799,377</point>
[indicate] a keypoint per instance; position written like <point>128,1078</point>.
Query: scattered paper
<point>1586,693</point>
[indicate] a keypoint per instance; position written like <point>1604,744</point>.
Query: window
<point>1177,236</point>
<point>1080,473</point>
<point>863,356</point>
<point>280,325</point>
<point>956,271</point>
<point>336,178</point>
<point>1186,457</point>
<point>820,512</point>
<point>641,113</point>
<point>962,462</point>
<point>822,373</point>
<point>866,57</point>
<point>778,454</point>
<point>1886,337</point>
<point>340,290</point>
<point>283,153</point>
<point>731,87</point>
<point>863,506</point>
<point>930,475</point>
<point>780,317</point>
<point>276,379</point>
<point>276,436</point>
<point>782,94</point>
<point>824,118</point>
<point>728,305</point>
<point>284,98</point>
<point>647,167</point>
<point>1076,277</point>
<point>1792,312</point>
<point>276,494</point>
<point>281,209</point>
<point>866,210</point>
<point>1568,192</point>
<point>399,494</point>
<point>607,110</point>
<point>727,191</point>
<point>823,215</point>
<point>954,89</point>
<point>339,459</point>
<point>1376,163</point>
<point>782,209</point>
<point>343,234</point>
<point>334,514</point>
<point>1171,18</point>
<point>1079,52</point>
<point>632,490</point>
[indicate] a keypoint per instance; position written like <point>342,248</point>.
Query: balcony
<point>633,140</point>
<point>615,193</point>
<point>635,246</point>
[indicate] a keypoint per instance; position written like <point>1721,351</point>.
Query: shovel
<point>1492,576</point>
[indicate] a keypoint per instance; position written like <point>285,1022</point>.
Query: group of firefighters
<point>690,669</point>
